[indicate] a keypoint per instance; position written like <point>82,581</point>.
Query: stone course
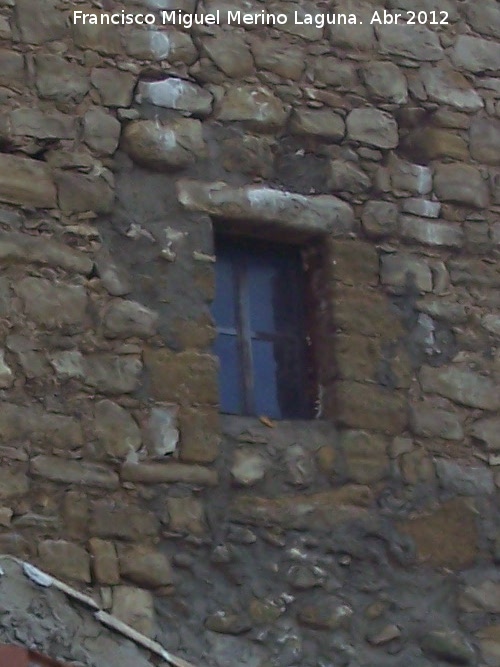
<point>367,536</point>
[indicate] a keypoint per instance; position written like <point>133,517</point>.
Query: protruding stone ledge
<point>16,247</point>
<point>299,214</point>
<point>168,473</point>
<point>74,472</point>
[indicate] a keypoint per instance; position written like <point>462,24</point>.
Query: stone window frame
<point>269,214</point>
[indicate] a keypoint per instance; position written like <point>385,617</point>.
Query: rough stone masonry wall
<point>369,536</point>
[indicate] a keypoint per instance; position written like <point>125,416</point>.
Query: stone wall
<point>369,536</point>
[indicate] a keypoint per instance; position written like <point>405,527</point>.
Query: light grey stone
<point>249,467</point>
<point>408,178</point>
<point>360,36</point>
<point>475,54</point>
<point>465,480</point>
<point>385,80</point>
<point>430,422</point>
<point>491,323</point>
<point>6,374</point>
<point>346,177</point>
<point>295,213</point>
<point>484,17</point>
<point>161,432</point>
<point>230,53</point>
<point>113,278</point>
<point>21,248</point>
<point>284,59</point>
<point>422,207</point>
<point>409,41</point>
<point>450,646</point>
<point>379,218</point>
<point>101,131</point>
<point>431,233</point>
<point>447,86</point>
<point>67,364</point>
<point>101,37</point>
<point>172,45</point>
<point>461,386</point>
<point>174,93</point>
<point>112,374</point>
<point>51,304</point>
<point>403,271</point>
<point>373,127</point>
<point>483,597</point>
<point>116,430</point>
<point>164,146</point>
<point>484,137</point>
<point>124,318</point>
<point>40,22</point>
<point>11,67</point>
<point>135,607</point>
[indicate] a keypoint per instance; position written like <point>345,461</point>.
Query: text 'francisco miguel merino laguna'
<point>238,17</point>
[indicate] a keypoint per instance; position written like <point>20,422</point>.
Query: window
<point>261,342</point>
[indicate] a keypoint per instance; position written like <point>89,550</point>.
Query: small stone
<point>488,432</point>
<point>116,430</point>
<point>144,566</point>
<point>327,614</point>
<point>430,422</point>
<point>408,178</point>
<point>52,305</point>
<point>447,86</point>
<point>403,271</point>
<point>112,374</point>
<point>365,455</point>
<point>387,634</point>
<point>161,431</point>
<point>200,435</point>
<point>465,480</point>
<point>58,79</point>
<point>26,182</point>
<point>318,123</point>
<point>13,483</point>
<point>227,623</point>
<point>174,93</point>
<point>379,218</point>
<point>165,473</point>
<point>6,374</point>
<point>186,515</point>
<point>104,562</point>
<point>461,183</point>
<point>462,386</point>
<point>115,87</point>
<point>109,520</point>
<point>385,80</point>
<point>431,233</point>
<point>484,136</point>
<point>483,597</point>
<point>35,123</point>
<point>475,54</point>
<point>124,319</point>
<point>79,192</point>
<point>255,105</point>
<point>450,646</point>
<point>346,177</point>
<point>372,127</point>
<point>265,611</point>
<point>230,53</point>
<point>5,516</point>
<point>68,471</point>
<point>421,207</point>
<point>249,467</point>
<point>151,44</point>
<point>409,41</point>
<point>101,131</point>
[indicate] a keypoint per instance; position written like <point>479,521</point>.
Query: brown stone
<point>447,537</point>
<point>134,607</point>
<point>368,406</point>
<point>26,182</point>
<point>12,483</point>
<point>116,430</point>
<point>186,515</point>
<point>68,471</point>
<point>432,143</point>
<point>104,562</point>
<point>365,312</point>
<point>21,248</point>
<point>321,509</point>
<point>75,514</point>
<point>52,305</point>
<point>78,193</point>
<point>144,566</point>
<point>255,105</point>
<point>182,377</point>
<point>365,456</point>
<point>200,434</point>
<point>65,560</point>
<point>353,262</point>
<point>121,521</point>
<point>167,473</point>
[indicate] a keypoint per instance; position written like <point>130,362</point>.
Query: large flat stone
<point>58,79</point>
<point>167,473</point>
<point>475,54</point>
<point>368,406</point>
<point>373,127</point>
<point>461,386</point>
<point>21,248</point>
<point>18,423</point>
<point>408,41</point>
<point>462,184</point>
<point>40,22</point>
<point>65,559</point>
<point>484,136</point>
<point>52,305</point>
<point>116,430</point>
<point>447,86</point>
<point>111,374</point>
<point>254,105</point>
<point>176,94</point>
<point>67,471</point>
<point>26,182</point>
<point>260,205</point>
<point>35,123</point>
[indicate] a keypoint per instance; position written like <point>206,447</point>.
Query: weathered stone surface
<point>491,323</point>
<point>336,72</point>
<point>134,607</point>
<point>115,87</point>
<point>488,432</point>
<point>124,319</point>
<point>430,422</point>
<point>101,131</point>
<point>320,509</point>
<point>409,41</point>
<point>161,431</point>
<point>318,123</point>
<point>475,54</point>
<point>52,305</point>
<point>474,272</point>
<point>11,67</point>
<point>116,430</point>
<point>200,434</point>
<point>368,313</point>
<point>447,86</point>
<point>447,537</point>
<point>104,561</point>
<point>34,123</point>
<point>176,94</point>
<point>58,79</point>
<point>161,473</point>
<point>422,207</point>
<point>431,233</point>
<point>360,36</point>
<point>183,377</point>
<point>172,45</point>
<point>432,143</point>
<point>6,374</point>
<point>123,521</point>
<point>255,105</point>
<point>386,81</point>
<point>373,127</point>
<point>329,613</point>
<point>284,59</point>
<point>461,183</point>
<point>484,596</point>
<point>227,623</point>
<point>65,560</point>
<point>485,140</point>
<point>39,427</point>
<point>370,407</point>
<point>403,271</point>
<point>21,248</point>
<point>78,193</point>
<point>489,642</point>
<point>68,471</point>
<point>12,483</point>
<point>408,178</point>
<point>252,155</point>
<point>353,262</point>
<point>230,53</point>
<point>144,566</point>
<point>450,646</point>
<point>346,177</point>
<point>294,212</point>
<point>26,182</point>
<point>461,385</point>
<point>379,218</point>
<point>465,480</point>
<point>365,456</point>
<point>164,146</point>
<point>111,374</point>
<point>186,516</point>
<point>249,467</point>
<point>40,22</point>
<point>102,38</point>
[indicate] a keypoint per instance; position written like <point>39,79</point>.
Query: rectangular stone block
<point>26,182</point>
<point>367,406</point>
